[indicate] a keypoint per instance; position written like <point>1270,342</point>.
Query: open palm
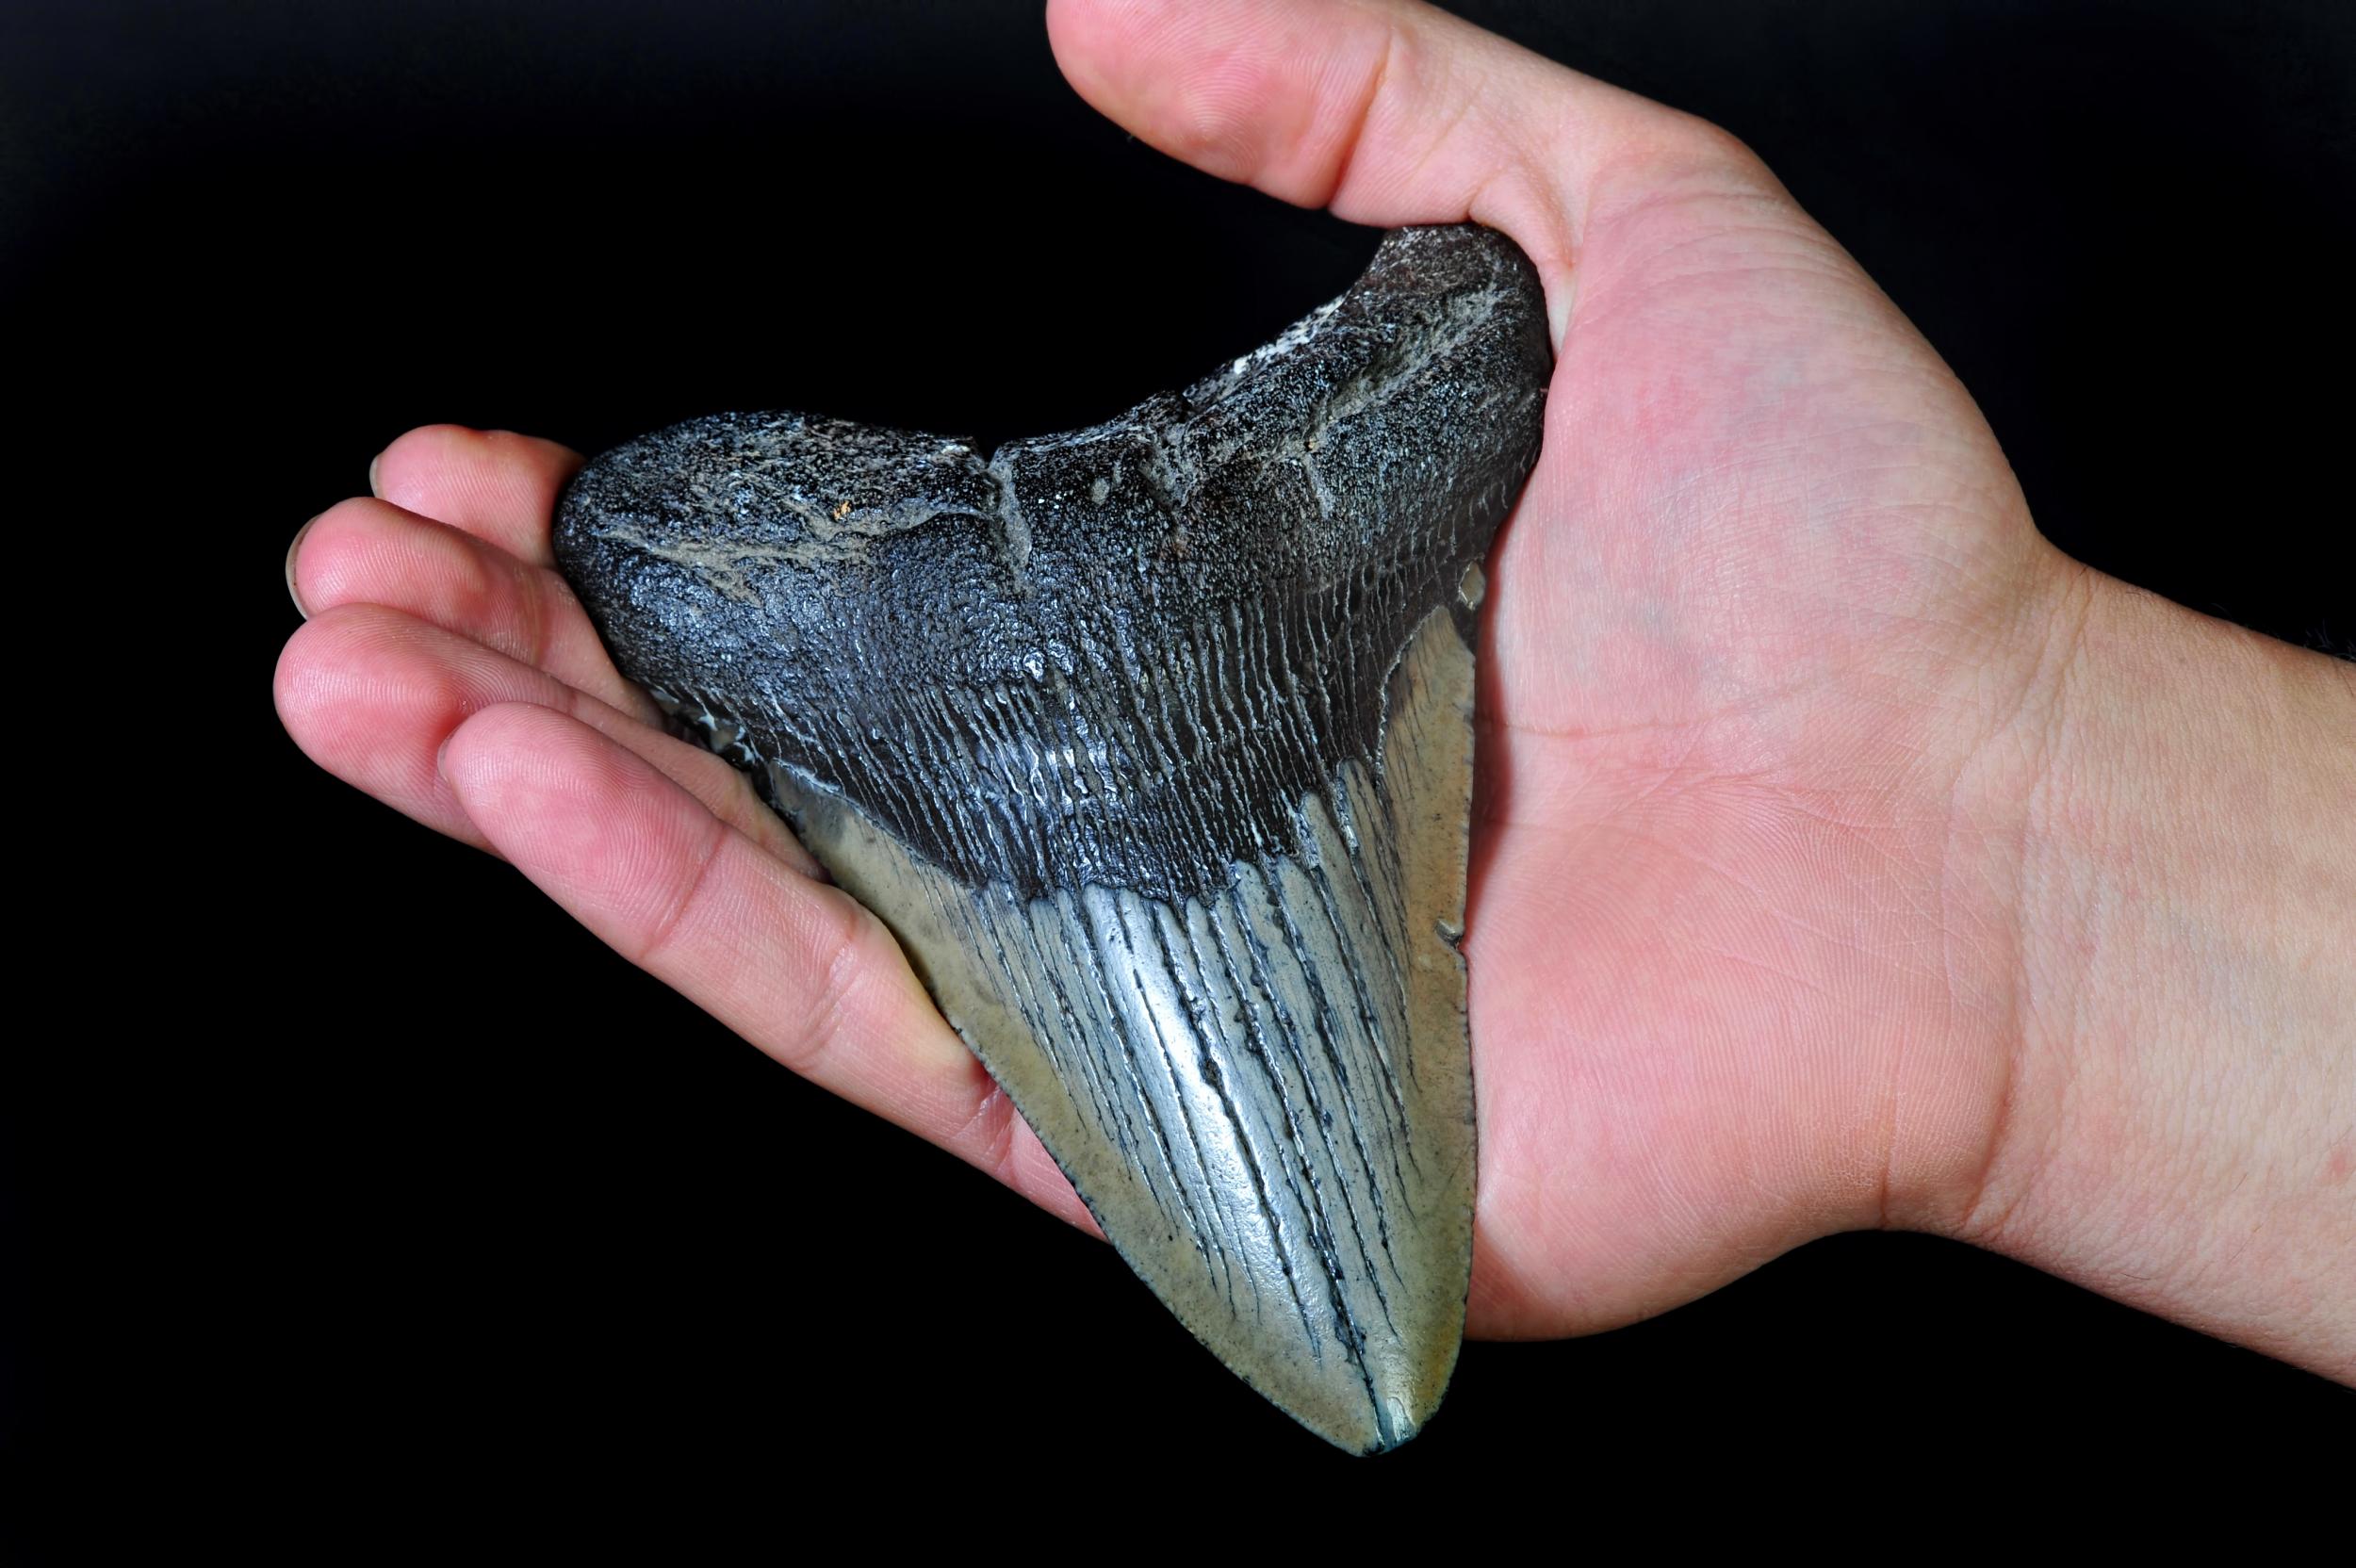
<point>1764,636</point>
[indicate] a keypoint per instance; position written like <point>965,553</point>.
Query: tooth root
<point>1263,1094</point>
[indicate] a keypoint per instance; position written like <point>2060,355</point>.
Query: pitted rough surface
<point>1151,742</point>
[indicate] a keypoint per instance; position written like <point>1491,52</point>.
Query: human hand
<point>1772,657</point>
<point>1742,936</point>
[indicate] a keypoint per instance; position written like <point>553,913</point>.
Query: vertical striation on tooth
<point>1151,742</point>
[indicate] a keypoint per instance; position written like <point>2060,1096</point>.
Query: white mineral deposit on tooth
<point>1151,742</point>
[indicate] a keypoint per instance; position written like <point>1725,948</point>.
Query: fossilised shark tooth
<point>1151,742</point>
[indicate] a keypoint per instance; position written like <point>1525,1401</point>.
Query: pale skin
<point>1844,856</point>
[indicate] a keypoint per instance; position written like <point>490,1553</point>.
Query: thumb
<point>1387,112</point>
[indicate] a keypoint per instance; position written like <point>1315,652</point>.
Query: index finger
<point>500,487</point>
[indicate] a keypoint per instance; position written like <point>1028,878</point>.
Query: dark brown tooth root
<point>1151,742</point>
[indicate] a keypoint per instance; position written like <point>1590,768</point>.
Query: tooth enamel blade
<point>1262,1092</point>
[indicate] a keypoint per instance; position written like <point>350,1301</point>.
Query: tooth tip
<point>1367,1405</point>
<point>1382,1419</point>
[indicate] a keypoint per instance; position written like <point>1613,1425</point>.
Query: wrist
<point>2178,1121</point>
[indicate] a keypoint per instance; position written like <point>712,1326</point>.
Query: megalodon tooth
<point>1151,742</point>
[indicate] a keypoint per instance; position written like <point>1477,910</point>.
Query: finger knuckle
<point>839,956</point>
<point>1689,144</point>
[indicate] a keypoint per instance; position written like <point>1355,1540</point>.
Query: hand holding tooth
<point>1833,838</point>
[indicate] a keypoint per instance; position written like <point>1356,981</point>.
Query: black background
<point>382,1186</point>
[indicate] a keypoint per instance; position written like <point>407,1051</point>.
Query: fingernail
<point>292,550</point>
<point>372,487</point>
